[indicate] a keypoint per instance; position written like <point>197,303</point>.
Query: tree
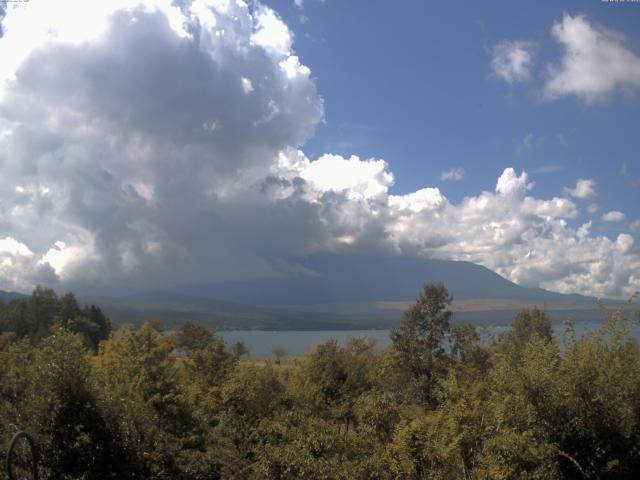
<point>279,353</point>
<point>99,325</point>
<point>37,316</point>
<point>526,326</point>
<point>90,322</point>
<point>47,391</point>
<point>466,347</point>
<point>419,339</point>
<point>141,392</point>
<point>31,317</point>
<point>239,349</point>
<point>332,378</point>
<point>193,336</point>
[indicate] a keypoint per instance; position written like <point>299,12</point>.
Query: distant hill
<point>375,290</point>
<point>342,292</point>
<point>7,297</point>
<point>174,308</point>
<point>348,279</point>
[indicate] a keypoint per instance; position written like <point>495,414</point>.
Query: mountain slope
<point>343,279</point>
<point>341,292</point>
<point>7,297</point>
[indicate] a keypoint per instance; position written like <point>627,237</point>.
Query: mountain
<point>174,308</point>
<point>7,297</point>
<point>349,279</point>
<point>373,291</point>
<point>341,292</point>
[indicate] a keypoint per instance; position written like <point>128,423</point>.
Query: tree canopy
<point>439,403</point>
<point>35,316</point>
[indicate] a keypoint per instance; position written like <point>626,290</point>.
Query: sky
<point>155,144</point>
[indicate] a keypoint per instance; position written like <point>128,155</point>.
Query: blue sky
<point>413,84</point>
<point>159,143</point>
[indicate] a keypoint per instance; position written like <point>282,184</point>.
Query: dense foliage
<point>149,404</point>
<point>36,316</point>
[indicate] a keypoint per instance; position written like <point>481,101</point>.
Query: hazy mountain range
<point>341,292</point>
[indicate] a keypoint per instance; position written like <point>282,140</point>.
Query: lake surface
<point>296,343</point>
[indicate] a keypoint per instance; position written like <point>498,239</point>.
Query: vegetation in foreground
<point>139,404</point>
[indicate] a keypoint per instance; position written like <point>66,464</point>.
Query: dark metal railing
<point>32,455</point>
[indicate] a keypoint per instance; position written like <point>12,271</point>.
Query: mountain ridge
<point>340,278</point>
<point>341,292</point>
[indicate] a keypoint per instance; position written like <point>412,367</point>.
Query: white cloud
<point>360,179</point>
<point>509,183</point>
<point>585,190</point>
<point>45,23</point>
<point>292,67</point>
<point>585,230</point>
<point>247,86</point>
<point>554,208</point>
<point>10,246</point>
<point>625,242</point>
<point>512,60</point>
<point>613,216</point>
<point>140,157</point>
<point>204,12</point>
<point>453,174</point>
<point>62,257</point>
<point>595,62</point>
<point>271,33</point>
<point>423,199</point>
<point>523,238</point>
<point>16,260</point>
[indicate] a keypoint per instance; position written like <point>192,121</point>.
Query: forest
<point>441,402</point>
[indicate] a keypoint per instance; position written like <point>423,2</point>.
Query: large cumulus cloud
<point>161,143</point>
<point>126,149</point>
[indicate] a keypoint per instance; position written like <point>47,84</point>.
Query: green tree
<point>34,317</point>
<point>251,396</point>
<point>207,359</point>
<point>31,317</point>
<point>527,325</point>
<point>141,390</point>
<point>47,391</point>
<point>419,338</point>
<point>331,379</point>
<point>193,336</point>
<point>467,349</point>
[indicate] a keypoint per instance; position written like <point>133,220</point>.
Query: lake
<point>296,343</point>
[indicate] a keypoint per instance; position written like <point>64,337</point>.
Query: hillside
<point>7,297</point>
<point>348,279</point>
<point>340,292</point>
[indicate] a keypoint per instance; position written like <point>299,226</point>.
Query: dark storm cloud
<point>165,150</point>
<point>149,144</point>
